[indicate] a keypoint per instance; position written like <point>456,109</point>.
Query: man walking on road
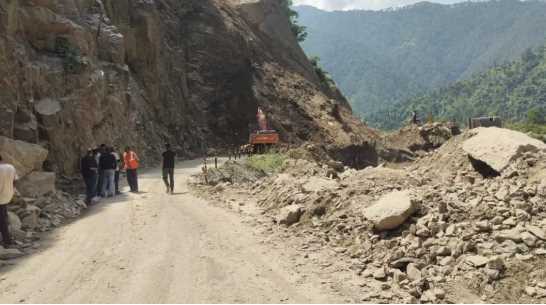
<point>130,160</point>
<point>168,168</point>
<point>89,170</point>
<point>8,175</point>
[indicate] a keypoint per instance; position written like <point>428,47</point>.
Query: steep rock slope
<point>77,73</point>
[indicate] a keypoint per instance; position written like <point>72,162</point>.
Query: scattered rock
<point>536,231</point>
<point>413,273</point>
<point>290,214</point>
<point>513,235</point>
<point>528,238</point>
<point>10,253</point>
<point>391,210</point>
<point>379,274</point>
<point>476,260</point>
<point>530,291</point>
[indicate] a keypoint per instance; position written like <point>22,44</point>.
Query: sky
<point>362,4</point>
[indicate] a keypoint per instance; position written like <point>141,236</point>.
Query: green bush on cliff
<point>269,163</point>
<point>325,78</point>
<point>72,60</point>
<point>299,31</point>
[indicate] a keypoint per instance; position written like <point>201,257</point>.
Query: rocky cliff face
<point>77,73</point>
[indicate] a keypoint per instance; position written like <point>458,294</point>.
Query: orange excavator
<point>263,138</point>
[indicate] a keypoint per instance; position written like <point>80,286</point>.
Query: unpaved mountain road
<point>156,248</point>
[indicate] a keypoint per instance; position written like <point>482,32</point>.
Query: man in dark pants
<point>89,170</point>
<point>100,150</point>
<point>131,164</point>
<point>107,164</point>
<point>8,175</point>
<point>118,163</point>
<point>168,168</point>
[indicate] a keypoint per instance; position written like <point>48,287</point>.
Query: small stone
<point>428,296</point>
<point>446,261</point>
<point>492,274</point>
<point>528,238</point>
<point>379,274</point>
<point>443,251</point>
<point>398,276</point>
<point>497,220</point>
<point>476,260</point>
<point>540,251</point>
<point>451,229</point>
<point>511,221</point>
<point>483,226</point>
<point>513,235</point>
<point>414,274</point>
<point>525,257</point>
<point>290,214</point>
<point>496,263</point>
<point>530,291</point>
<point>439,293</point>
<point>536,231</point>
<point>10,253</point>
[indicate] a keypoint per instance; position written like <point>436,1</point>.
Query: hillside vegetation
<point>515,91</point>
<point>380,58</point>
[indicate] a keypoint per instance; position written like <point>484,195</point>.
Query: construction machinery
<point>264,137</point>
<point>491,121</point>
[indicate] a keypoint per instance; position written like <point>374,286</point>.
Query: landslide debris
<point>454,235</point>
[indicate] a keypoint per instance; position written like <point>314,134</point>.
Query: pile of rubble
<point>38,206</point>
<point>469,216</point>
<point>414,140</point>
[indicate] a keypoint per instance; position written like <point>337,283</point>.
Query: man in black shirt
<point>168,168</point>
<point>89,173</point>
<point>108,164</point>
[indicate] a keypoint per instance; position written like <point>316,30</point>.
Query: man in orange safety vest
<point>131,164</point>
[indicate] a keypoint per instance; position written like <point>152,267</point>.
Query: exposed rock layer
<point>77,73</point>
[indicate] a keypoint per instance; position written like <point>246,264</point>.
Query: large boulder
<point>498,147</point>
<point>26,157</point>
<point>290,214</point>
<point>36,184</point>
<point>391,210</point>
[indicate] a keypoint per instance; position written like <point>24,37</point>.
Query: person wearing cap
<point>89,171</point>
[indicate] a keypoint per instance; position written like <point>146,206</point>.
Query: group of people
<point>100,169</point>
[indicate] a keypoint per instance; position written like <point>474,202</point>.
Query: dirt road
<point>154,247</point>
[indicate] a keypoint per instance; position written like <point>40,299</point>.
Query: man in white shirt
<point>8,175</point>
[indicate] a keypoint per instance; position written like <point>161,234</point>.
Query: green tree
<point>298,30</point>
<point>536,116</point>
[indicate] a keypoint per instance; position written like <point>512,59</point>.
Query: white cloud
<point>362,4</point>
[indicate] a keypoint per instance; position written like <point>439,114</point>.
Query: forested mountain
<point>380,58</point>
<point>515,91</point>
